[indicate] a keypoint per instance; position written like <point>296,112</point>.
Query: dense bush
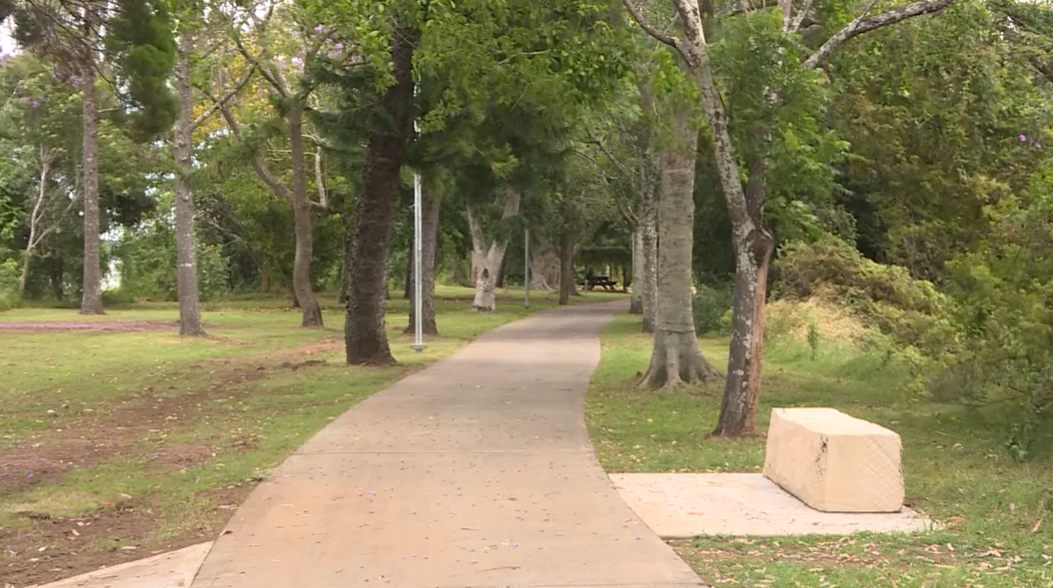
<point>911,311</point>
<point>709,306</point>
<point>9,274</point>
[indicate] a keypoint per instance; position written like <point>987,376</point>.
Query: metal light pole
<point>526,264</point>
<point>418,335</point>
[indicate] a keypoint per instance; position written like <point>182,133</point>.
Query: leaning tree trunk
<point>566,268</point>
<point>429,223</point>
<point>750,241</point>
<point>91,302</point>
<point>676,357</point>
<point>311,311</point>
<point>186,255</point>
<point>365,338</point>
<point>753,250</point>
<point>488,260</point>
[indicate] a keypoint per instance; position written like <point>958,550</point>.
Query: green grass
<point>191,418</point>
<point>955,465</point>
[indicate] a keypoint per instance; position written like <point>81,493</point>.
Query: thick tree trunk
<point>365,338</point>
<point>91,301</point>
<point>430,207</point>
<point>544,264</point>
<point>676,357</point>
<point>311,311</point>
<point>186,254</point>
<point>488,260</point>
<point>566,269</point>
<point>636,301</point>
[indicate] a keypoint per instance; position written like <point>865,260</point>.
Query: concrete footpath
<point>477,471</point>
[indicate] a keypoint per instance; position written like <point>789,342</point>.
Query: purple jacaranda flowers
<point>1023,138</point>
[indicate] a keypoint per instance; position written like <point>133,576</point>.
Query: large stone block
<point>834,462</point>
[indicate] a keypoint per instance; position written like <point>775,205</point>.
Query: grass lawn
<point>115,445</point>
<point>956,467</point>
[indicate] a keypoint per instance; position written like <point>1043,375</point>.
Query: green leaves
<point>139,38</point>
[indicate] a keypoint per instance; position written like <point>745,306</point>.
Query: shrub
<point>911,311</point>
<point>9,275</point>
<point>709,306</point>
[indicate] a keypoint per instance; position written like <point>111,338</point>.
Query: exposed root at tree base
<point>676,360</point>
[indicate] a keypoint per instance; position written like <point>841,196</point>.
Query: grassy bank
<point>115,444</point>
<point>957,470</point>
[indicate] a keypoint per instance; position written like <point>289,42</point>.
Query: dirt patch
<point>120,326</point>
<point>47,549</point>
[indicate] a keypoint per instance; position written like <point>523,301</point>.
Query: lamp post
<point>418,334</point>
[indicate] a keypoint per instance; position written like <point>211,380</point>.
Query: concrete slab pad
<point>682,506</point>
<point>174,569</point>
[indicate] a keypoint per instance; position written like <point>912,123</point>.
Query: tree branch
<point>863,24</point>
<point>319,178</point>
<point>217,104</point>
<point>257,162</point>
<point>646,25</point>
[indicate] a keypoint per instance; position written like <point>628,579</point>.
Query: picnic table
<point>604,282</point>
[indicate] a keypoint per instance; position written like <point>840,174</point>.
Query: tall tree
<point>752,241</point>
<point>279,60</point>
<point>136,39</point>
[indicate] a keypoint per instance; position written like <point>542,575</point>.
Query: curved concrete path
<point>477,471</point>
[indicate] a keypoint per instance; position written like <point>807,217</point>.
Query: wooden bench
<point>834,462</point>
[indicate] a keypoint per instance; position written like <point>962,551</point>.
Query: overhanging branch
<point>864,24</point>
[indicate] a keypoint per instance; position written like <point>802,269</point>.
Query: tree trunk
<point>430,207</point>
<point>676,357</point>
<point>738,408</point>
<point>636,301</point>
<point>488,261</point>
<point>312,312</point>
<point>186,254</point>
<point>750,241</point>
<point>365,338</point>
<point>407,288</point>
<point>34,218</point>
<point>57,277</point>
<point>91,301</point>
<point>648,221</point>
<point>566,269</point>
<point>544,264</point>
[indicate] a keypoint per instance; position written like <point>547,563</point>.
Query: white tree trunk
<point>488,259</point>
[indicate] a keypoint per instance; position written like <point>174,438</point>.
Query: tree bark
<point>91,301</point>
<point>365,338</point>
<point>676,357</point>
<point>636,301</point>
<point>301,205</point>
<point>488,260</point>
<point>430,207</point>
<point>57,277</point>
<point>566,268</point>
<point>648,227</point>
<point>738,408</point>
<point>186,253</point>
<point>544,264</point>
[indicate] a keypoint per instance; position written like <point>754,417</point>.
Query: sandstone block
<point>834,462</point>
